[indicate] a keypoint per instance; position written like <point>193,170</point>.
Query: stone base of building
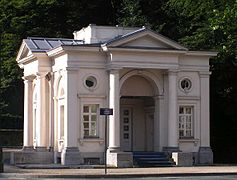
<point>119,159</point>
<point>29,155</point>
<point>70,156</point>
<point>205,155</point>
<point>170,150</point>
<point>183,158</point>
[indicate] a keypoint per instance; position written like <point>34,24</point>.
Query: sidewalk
<point>53,171</point>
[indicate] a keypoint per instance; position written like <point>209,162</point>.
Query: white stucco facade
<point>158,89</point>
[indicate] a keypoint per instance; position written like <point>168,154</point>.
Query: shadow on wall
<point>11,137</point>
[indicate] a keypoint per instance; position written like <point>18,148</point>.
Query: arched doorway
<point>137,113</point>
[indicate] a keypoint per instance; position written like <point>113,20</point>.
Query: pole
<point>1,160</point>
<point>105,156</point>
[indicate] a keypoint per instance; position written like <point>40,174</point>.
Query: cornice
<point>142,50</point>
<point>65,49</point>
<point>202,53</point>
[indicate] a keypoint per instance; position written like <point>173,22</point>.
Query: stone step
<point>152,159</point>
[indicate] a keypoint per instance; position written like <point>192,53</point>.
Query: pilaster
<point>205,152</point>
<point>70,152</point>
<point>172,110</point>
<point>205,109</point>
<point>158,134</point>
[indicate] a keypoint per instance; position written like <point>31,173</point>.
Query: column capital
<point>172,71</point>
<point>71,69</point>
<point>204,74</point>
<point>114,71</point>
<point>29,77</point>
<point>158,97</point>
<point>40,75</point>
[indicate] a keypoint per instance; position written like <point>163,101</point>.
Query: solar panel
<point>45,44</point>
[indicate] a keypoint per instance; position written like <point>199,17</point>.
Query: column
<point>172,110</point>
<point>70,153</point>
<point>42,132</point>
<point>114,103</point>
<point>51,111</point>
<point>28,113</point>
<point>205,152</point>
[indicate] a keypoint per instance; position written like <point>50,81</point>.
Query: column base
<point>172,153</point>
<point>183,158</point>
<point>114,149</point>
<point>119,159</point>
<point>29,155</point>
<point>28,148</point>
<point>205,155</point>
<point>70,156</point>
<point>42,149</point>
<point>170,150</point>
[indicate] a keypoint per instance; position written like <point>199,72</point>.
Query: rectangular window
<point>90,120</point>
<point>186,122</point>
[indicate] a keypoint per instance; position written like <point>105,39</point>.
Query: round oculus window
<point>91,82</point>
<point>185,84</point>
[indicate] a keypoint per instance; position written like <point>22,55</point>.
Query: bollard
<point>1,161</point>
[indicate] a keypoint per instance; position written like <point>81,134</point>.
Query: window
<point>185,85</point>
<point>89,119</point>
<point>61,115</point>
<point>90,82</point>
<point>186,122</point>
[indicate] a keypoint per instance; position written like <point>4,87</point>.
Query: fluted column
<point>114,103</point>
<point>28,112</point>
<point>172,110</point>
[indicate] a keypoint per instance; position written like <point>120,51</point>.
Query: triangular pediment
<point>24,52</point>
<point>146,41</point>
<point>145,38</point>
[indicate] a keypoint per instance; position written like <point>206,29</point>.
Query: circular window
<point>185,84</point>
<point>91,82</point>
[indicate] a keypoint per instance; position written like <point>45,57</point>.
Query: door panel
<point>126,129</point>
<point>150,131</point>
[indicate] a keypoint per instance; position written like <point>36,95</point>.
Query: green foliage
<point>131,14</point>
<point>47,18</point>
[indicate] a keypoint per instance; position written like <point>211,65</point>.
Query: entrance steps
<point>152,159</point>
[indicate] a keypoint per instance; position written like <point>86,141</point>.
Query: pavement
<point>57,171</point>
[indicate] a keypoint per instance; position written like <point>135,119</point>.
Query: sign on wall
<point>106,111</point>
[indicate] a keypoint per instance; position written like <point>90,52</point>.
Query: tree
<point>47,18</point>
<point>212,25</point>
<point>131,14</point>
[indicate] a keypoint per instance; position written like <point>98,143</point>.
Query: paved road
<point>172,173</point>
<point>220,177</point>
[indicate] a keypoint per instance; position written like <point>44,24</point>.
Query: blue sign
<point>106,111</point>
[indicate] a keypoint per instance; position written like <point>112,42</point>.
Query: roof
<point>124,36</point>
<point>170,42</point>
<point>40,44</point>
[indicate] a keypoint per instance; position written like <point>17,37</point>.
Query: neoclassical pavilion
<point>158,89</point>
